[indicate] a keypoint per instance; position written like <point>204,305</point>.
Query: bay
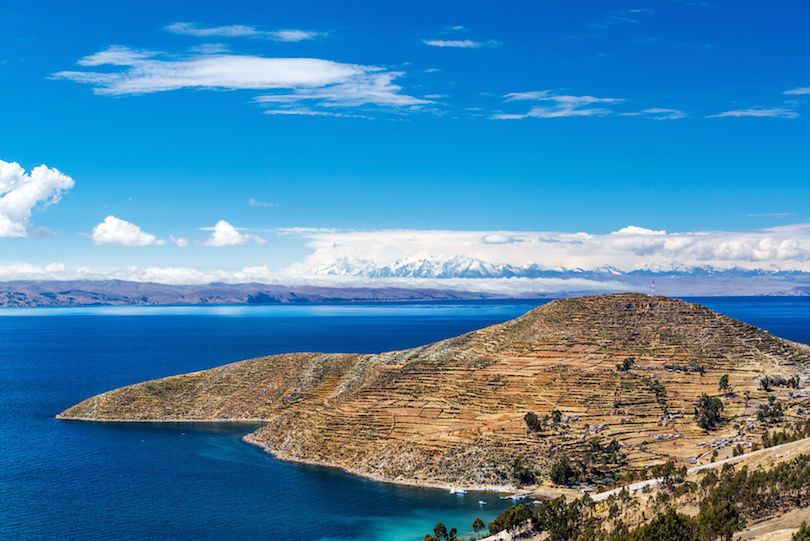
<point>71,480</point>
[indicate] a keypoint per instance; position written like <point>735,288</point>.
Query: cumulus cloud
<point>21,192</point>
<point>496,238</point>
<point>562,105</point>
<point>238,30</point>
<point>291,80</point>
<point>773,112</point>
<point>26,271</point>
<point>182,242</point>
<point>116,232</point>
<point>224,234</point>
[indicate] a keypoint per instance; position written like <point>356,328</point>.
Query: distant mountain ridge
<point>464,267</point>
<point>118,292</point>
<point>417,279</point>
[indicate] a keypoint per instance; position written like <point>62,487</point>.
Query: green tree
<point>720,522</point>
<point>707,411</point>
<point>803,534</point>
<point>440,530</point>
<point>556,416</point>
<point>671,526</point>
<point>521,472</point>
<point>625,365</point>
<point>562,472</point>
<point>510,518</point>
<point>478,525</point>
<point>531,420</point>
<point>723,385</point>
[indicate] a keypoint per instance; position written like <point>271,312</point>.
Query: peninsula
<point>613,383</point>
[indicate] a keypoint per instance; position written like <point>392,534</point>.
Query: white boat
<point>481,502</point>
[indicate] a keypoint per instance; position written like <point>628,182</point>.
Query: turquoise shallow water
<point>69,480</point>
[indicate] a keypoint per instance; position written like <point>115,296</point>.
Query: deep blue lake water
<point>71,480</point>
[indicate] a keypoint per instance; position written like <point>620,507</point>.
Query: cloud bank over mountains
<point>510,253</point>
<point>511,263</point>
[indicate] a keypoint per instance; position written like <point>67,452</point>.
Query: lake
<point>71,480</point>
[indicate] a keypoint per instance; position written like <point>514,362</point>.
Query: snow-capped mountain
<point>456,267</point>
<point>464,267</point>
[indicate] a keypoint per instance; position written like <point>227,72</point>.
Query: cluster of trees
<point>770,412</point>
<point>563,521</point>
<point>798,432</point>
<point>760,493</point>
<point>538,423</point>
<point>729,499</point>
<point>659,391</point>
<point>522,473</point>
<point>803,534</point>
<point>707,411</point>
<point>766,382</point>
<point>595,463</point>
<point>712,523</point>
<point>441,533</point>
<point>668,473</point>
<point>625,365</point>
<point>573,522</point>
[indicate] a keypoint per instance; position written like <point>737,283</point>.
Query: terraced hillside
<point>622,367</point>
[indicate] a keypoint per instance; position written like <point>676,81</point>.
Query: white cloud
<point>182,242</point>
<point>659,113</point>
<point>563,105</point>
<point>338,259</point>
<point>774,112</point>
<point>635,230</point>
<point>362,88</point>
<point>255,203</point>
<point>294,79</point>
<point>26,271</point>
<point>227,235</point>
<point>21,192</point>
<point>771,215</point>
<point>295,35</point>
<point>798,91</point>
<point>628,249</point>
<point>459,43</point>
<point>116,232</point>
<point>497,238</point>
<point>238,30</point>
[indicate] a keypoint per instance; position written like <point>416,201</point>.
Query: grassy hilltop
<point>590,390</point>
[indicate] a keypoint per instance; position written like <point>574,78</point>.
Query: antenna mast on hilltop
<point>653,286</point>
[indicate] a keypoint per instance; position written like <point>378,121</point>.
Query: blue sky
<point>186,141</point>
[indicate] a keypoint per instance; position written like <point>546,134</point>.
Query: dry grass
<point>451,413</point>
